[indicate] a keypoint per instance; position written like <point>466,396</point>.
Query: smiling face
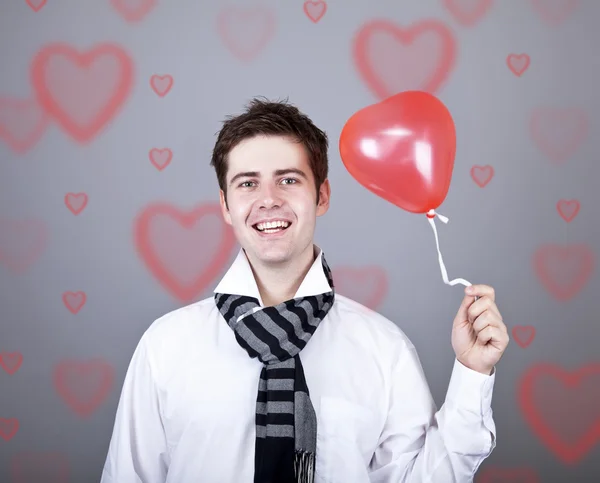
<point>269,179</point>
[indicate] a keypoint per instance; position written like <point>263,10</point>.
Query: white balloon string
<point>430,218</point>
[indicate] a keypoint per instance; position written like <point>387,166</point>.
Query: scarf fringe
<point>304,466</point>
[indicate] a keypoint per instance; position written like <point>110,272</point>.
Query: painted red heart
<point>558,133</point>
<point>315,10</point>
<point>482,175</point>
<point>47,467</point>
<point>74,301</point>
<point>82,91</point>
<point>564,270</point>
<point>366,285</point>
<point>554,12</point>
<point>161,84</point>
<point>246,31</point>
<point>83,385</point>
<point>468,12</point>
<point>8,428</point>
<point>133,10</point>
<point>184,250</point>
<point>568,209</point>
<point>523,334</point>
<point>22,123</point>
<point>76,202</point>
<point>518,63</point>
<point>565,415</point>
<point>392,59</point>
<point>492,474</point>
<point>22,243</point>
<point>160,158</point>
<point>11,361</point>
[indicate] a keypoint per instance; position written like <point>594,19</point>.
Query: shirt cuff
<point>470,390</point>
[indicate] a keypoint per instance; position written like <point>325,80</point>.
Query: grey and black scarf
<point>286,423</point>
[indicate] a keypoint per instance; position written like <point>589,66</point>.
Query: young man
<point>277,378</point>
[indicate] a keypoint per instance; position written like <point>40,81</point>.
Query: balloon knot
<point>431,214</point>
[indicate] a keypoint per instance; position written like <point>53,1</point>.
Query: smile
<point>271,227</point>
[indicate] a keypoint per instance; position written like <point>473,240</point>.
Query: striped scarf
<point>286,423</point>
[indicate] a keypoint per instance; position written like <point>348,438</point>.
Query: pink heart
<point>554,12</point>
<point>246,31</point>
<point>160,158</point>
<point>22,123</point>
<point>74,301</point>
<point>315,10</point>
<point>482,175</point>
<point>518,63</point>
<point>568,209</point>
<point>391,59</point>
<point>8,428</point>
<point>83,92</point>
<point>564,270</point>
<point>161,84</point>
<point>562,408</point>
<point>83,385</point>
<point>468,12</point>
<point>558,133</point>
<point>185,251</point>
<point>22,242</point>
<point>36,5</point>
<point>49,467</point>
<point>523,334</point>
<point>133,10</point>
<point>76,202</point>
<point>11,361</point>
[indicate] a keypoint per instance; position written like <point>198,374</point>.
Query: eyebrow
<point>278,172</point>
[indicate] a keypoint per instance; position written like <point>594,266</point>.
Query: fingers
<point>488,318</point>
<point>481,290</point>
<point>485,335</point>
<point>467,301</point>
<point>480,306</point>
<point>493,335</point>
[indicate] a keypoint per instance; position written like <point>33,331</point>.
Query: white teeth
<point>272,225</point>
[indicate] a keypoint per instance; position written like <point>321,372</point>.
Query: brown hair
<point>279,118</point>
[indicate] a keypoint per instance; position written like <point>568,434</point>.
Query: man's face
<point>269,180</point>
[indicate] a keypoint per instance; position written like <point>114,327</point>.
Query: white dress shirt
<point>186,413</point>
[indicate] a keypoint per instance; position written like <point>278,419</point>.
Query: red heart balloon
<point>402,149</point>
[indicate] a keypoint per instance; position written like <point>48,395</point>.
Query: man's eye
<point>293,180</point>
<point>246,184</point>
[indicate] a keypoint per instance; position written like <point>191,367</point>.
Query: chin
<point>273,256</point>
<point>269,252</point>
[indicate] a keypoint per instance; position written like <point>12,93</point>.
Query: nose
<point>269,196</point>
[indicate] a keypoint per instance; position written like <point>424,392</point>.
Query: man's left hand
<point>479,336</point>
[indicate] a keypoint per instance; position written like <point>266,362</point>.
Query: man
<point>277,378</point>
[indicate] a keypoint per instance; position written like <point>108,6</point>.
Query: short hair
<point>271,118</point>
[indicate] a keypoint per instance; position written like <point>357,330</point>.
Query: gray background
<point>491,238</point>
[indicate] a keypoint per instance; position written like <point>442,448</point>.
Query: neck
<point>279,283</point>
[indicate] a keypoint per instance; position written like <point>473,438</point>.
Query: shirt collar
<point>239,279</point>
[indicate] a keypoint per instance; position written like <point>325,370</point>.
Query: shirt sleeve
<point>421,444</point>
<point>138,450</point>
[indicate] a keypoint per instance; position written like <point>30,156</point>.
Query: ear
<point>224,208</point>
<point>324,196</point>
